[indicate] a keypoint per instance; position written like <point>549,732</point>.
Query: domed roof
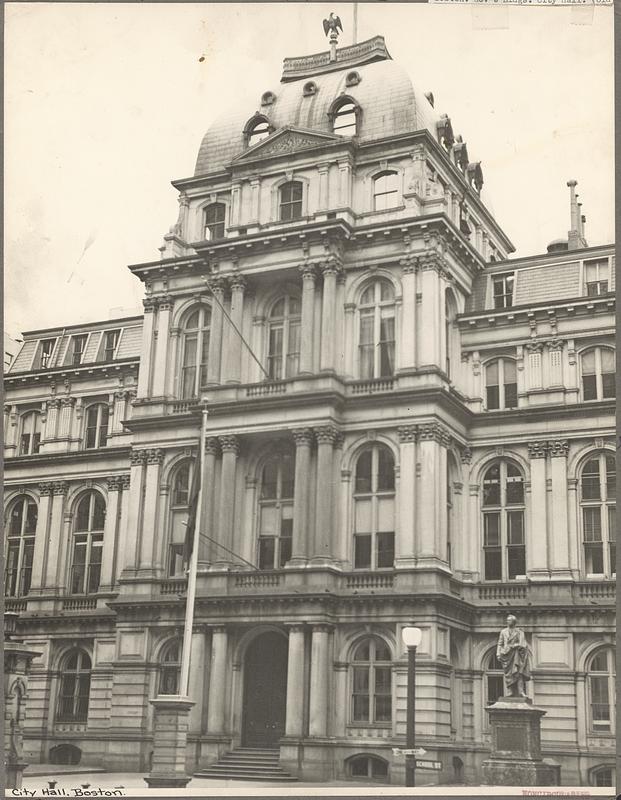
<point>389,103</point>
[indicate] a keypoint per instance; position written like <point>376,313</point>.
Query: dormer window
<point>352,79</point>
<point>344,118</point>
<point>596,277</point>
<point>257,130</point>
<point>291,201</point>
<point>214,221</point>
<point>502,290</point>
<point>44,356</point>
<point>76,351</point>
<point>110,342</point>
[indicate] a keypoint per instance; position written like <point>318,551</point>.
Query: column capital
<point>125,481</point>
<point>115,483</point>
<point>537,449</point>
<point>558,448</point>
<point>466,455</point>
<point>149,305</point>
<point>407,433</point>
<point>430,260</point>
<point>295,627</point>
<point>137,457</point>
<point>67,401</point>
<point>155,456</point>
<point>217,285</point>
<point>534,347</point>
<point>60,487</point>
<point>434,431</point>
<point>555,344</point>
<point>322,627</point>
<point>303,437</point>
<point>326,434</point>
<point>45,489</point>
<point>237,283</point>
<point>212,446</point>
<point>308,272</point>
<point>229,444</point>
<point>217,628</point>
<point>409,264</point>
<point>331,266</point>
<point>165,302</point>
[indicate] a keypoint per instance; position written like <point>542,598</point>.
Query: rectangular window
<point>593,545</point>
<point>596,276</point>
<point>366,345</point>
<point>362,551</point>
<point>78,569</point>
<point>189,366</point>
<point>266,552</point>
<point>387,343</point>
<point>600,703</point>
<point>385,549</point>
<point>46,348</point>
<point>383,695</point>
<point>510,383</point>
<point>78,344</point>
<point>361,694</point>
<point>111,339</point>
<point>293,349</point>
<point>502,290</point>
<point>175,560</point>
<point>94,568</point>
<point>516,551</point>
<point>491,546</point>
<point>274,361</point>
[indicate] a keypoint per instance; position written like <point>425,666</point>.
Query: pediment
<point>288,140</point>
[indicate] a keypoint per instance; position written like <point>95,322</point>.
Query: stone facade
<point>394,439</point>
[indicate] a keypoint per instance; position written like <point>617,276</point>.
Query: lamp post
<point>411,639</point>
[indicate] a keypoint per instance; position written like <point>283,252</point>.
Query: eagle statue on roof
<point>332,24</point>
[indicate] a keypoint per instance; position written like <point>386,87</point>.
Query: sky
<point>106,103</point>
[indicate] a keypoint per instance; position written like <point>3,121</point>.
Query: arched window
<point>500,384</point>
<point>598,373</point>
<point>256,130</point>
<point>215,214</point>
<point>603,775</point>
<point>494,679</point>
<point>195,352</point>
<point>374,509</point>
<point>21,528</point>
<point>283,359</point>
<point>371,683</point>
<point>504,548</point>
<point>88,533</point>
<point>179,511</point>
<point>367,767</point>
<point>385,191</point>
<point>290,200</point>
<point>344,119</point>
<point>75,686</point>
<point>598,486</point>
<point>451,334</point>
<point>30,437</point>
<point>276,510</point>
<point>97,417</point>
<point>170,666</point>
<point>601,687</point>
<point>377,330</point>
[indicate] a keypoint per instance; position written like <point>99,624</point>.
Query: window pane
<point>589,387</point>
<point>515,527</point>
<point>608,384</point>
<point>383,680</point>
<point>509,371</point>
<point>383,708</point>
<point>363,651</point>
<point>493,566</point>
<point>514,486</point>
<point>495,688</point>
<point>269,482</point>
<point>491,529</point>
<point>590,480</point>
<point>361,679</point>
<point>385,470</point>
<point>594,559</point>
<point>592,524</point>
<point>386,514</point>
<point>266,553</point>
<point>99,513</point>
<point>608,359</point>
<point>82,516</point>
<point>491,486</point>
<point>516,561</point>
<point>611,477</point>
<point>362,551</point>
<point>491,374</point>
<point>361,708</point>
<point>600,662</point>
<point>363,472</point>
<point>385,549</point>
<point>492,397</point>
<point>511,395</point>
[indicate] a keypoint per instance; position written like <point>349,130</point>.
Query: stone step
<point>236,776</point>
<point>248,764</point>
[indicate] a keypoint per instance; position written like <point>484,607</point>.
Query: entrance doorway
<point>265,691</point>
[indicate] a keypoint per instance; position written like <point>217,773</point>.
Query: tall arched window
<point>344,119</point>
<point>377,330</point>
<point>88,533</point>
<point>598,488</point>
<point>504,547</point>
<point>215,215</point>
<point>500,384</point>
<point>179,510</point>
<point>494,679</point>
<point>30,437</point>
<point>290,197</point>
<point>451,334</point>
<point>374,509</point>
<point>598,373</point>
<point>276,510</point>
<point>75,686</point>
<point>21,529</point>
<point>195,352</point>
<point>283,359</point>
<point>256,130</point>
<point>385,191</point>
<point>601,687</point>
<point>170,665</point>
<point>97,418</point>
<point>371,683</point>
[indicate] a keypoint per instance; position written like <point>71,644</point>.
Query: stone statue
<point>514,654</point>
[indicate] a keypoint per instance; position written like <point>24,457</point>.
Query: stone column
<point>161,347</point>
<point>537,536</point>
<point>137,460</point>
<point>118,411</point>
<point>319,681</point>
<point>344,183</point>
<point>66,417</point>
<point>59,491</point>
<point>429,350</point>
<point>405,540</point>
<point>324,170</point>
<point>235,203</point>
<point>123,527</point>
<point>198,668</point>
<point>559,535</point>
<point>308,312</point>
<point>230,449</point>
<point>148,537</point>
<point>41,538</point>
<point>474,557</point>
<point>431,437</point>
<point>322,551</point>
<point>217,680</point>
<point>295,682</point>
<point>238,284</point>
<point>572,525</point>
<point>214,359</point>
<point>205,548</point>
<point>407,357</point>
<point>351,356</point>
<point>300,545</point>
<point>146,349</point>
<point>255,190</point>
<point>328,312</point>
<point>106,581</point>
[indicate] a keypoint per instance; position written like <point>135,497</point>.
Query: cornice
<point>40,459</point>
<point>562,308</point>
<point>36,376</point>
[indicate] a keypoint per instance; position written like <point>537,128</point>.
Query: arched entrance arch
<point>265,690</point>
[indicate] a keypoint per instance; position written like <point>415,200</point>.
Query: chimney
<point>576,239</point>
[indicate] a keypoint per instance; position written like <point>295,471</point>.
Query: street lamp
<point>411,639</point>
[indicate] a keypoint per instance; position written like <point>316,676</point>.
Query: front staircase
<point>248,764</point>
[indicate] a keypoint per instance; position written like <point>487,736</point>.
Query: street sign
<point>401,751</point>
<point>437,765</point>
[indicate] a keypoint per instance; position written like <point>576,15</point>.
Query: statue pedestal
<point>515,759</point>
<point>170,734</point>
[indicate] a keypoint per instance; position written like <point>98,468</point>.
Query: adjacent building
<point>406,426</point>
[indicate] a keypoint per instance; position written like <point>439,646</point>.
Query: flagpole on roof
<point>184,679</point>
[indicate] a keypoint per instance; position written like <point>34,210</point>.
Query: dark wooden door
<point>265,691</point>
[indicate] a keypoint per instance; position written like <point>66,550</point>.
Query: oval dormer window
<point>268,98</point>
<point>309,89</point>
<point>352,79</point>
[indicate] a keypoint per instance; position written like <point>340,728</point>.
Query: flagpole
<point>184,680</point>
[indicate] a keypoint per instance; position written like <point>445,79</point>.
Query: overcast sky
<point>105,104</point>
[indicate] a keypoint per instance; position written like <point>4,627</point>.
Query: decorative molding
<point>60,487</point>
<point>137,457</point>
<point>534,347</point>
<point>326,434</point>
<point>237,283</point>
<point>555,344</point>
<point>407,433</point>
<point>212,446</point>
<point>125,481</point>
<point>303,437</point>
<point>433,431</point>
<point>155,456</point>
<point>558,448</point>
<point>308,272</point>
<point>537,449</point>
<point>45,489</point>
<point>115,483</point>
<point>466,455</point>
<point>229,444</point>
<point>149,304</point>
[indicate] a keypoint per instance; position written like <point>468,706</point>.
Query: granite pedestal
<point>516,759</point>
<point>170,736</point>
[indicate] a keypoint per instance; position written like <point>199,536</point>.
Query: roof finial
<point>331,25</point>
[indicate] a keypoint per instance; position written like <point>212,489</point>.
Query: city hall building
<point>406,427</point>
